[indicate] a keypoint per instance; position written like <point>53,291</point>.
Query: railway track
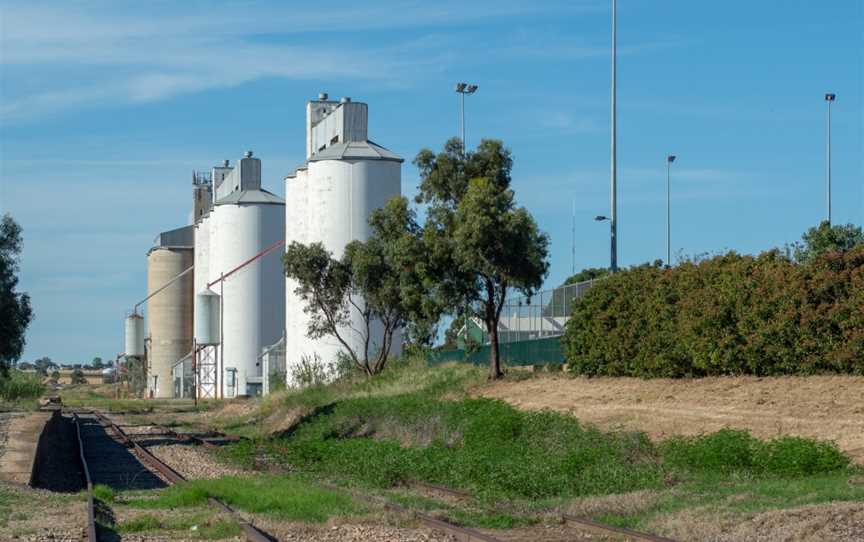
<point>583,523</point>
<point>89,462</point>
<point>253,535</point>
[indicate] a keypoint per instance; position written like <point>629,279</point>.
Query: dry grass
<point>839,522</point>
<point>821,407</point>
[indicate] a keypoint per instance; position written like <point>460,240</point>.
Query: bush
<point>19,385</point>
<point>729,314</point>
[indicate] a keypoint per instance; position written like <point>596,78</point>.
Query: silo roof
<point>356,150</point>
<point>251,196</point>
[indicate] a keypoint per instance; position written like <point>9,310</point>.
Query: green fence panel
<point>517,353</point>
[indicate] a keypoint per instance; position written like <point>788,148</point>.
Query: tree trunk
<point>494,355</point>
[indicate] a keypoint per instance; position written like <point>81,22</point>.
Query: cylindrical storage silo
<point>202,260</point>
<point>169,315</point>
<point>253,310</point>
<point>135,335</point>
<point>207,313</point>
<point>335,197</point>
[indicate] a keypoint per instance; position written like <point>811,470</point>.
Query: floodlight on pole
<point>462,89</point>
<point>829,98</point>
<point>669,159</point>
<point>600,218</point>
<point>613,222</point>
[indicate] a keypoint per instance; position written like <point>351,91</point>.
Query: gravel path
<point>353,533</point>
<point>192,461</point>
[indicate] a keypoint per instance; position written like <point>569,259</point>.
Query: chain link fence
<point>541,315</point>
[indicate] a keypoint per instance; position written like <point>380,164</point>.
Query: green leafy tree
<point>380,280</point>
<point>97,363</point>
<point>15,310</point>
<point>479,243</point>
<point>78,376</point>
<point>826,238</point>
<point>42,365</point>
<point>589,273</point>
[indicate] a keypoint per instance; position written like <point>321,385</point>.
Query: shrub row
<point>730,314</point>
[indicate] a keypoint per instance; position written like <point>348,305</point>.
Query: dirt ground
<point>823,407</point>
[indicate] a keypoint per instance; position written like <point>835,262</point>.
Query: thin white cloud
<point>144,52</point>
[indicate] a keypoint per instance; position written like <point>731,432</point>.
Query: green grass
<point>466,515</point>
<point>729,451</point>
<point>199,526</point>
<point>277,496</point>
<point>481,445</point>
<point>419,424</point>
<point>742,497</point>
<point>20,391</point>
<point>104,493</point>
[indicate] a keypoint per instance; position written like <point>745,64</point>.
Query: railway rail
<point>583,523</point>
<point>254,535</point>
<point>251,532</point>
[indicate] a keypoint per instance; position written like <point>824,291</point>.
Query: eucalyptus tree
<point>480,245</point>
<point>15,310</point>
<point>380,279</point>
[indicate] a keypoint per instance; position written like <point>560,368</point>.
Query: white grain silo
<point>329,200</point>
<point>244,221</point>
<point>169,312</point>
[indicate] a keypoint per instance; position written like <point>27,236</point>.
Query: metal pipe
<point>167,284</point>
<point>261,254</point>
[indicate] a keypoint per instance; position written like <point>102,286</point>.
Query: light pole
<point>462,89</point>
<point>669,159</point>
<point>830,97</point>
<point>613,222</point>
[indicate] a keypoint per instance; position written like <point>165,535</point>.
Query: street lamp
<point>613,222</point>
<point>600,218</point>
<point>669,159</point>
<point>829,97</point>
<point>462,89</point>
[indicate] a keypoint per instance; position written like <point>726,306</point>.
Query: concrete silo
<point>169,313</point>
<point>329,200</point>
<point>243,222</point>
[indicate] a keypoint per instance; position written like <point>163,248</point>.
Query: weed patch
<point>277,496</point>
<point>729,451</point>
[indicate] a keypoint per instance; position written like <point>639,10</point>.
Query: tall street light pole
<point>462,89</point>
<point>669,160</point>
<point>613,222</point>
<point>830,97</point>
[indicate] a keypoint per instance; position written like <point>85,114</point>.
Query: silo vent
<point>322,97</point>
<point>248,154</point>
<point>345,100</point>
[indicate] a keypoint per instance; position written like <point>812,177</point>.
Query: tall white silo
<point>242,224</point>
<point>345,178</point>
<point>205,354</point>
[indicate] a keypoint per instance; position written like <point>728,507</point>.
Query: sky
<point>107,107</point>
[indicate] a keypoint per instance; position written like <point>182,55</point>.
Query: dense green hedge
<point>730,314</point>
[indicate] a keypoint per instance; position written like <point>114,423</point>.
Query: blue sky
<point>106,108</point>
